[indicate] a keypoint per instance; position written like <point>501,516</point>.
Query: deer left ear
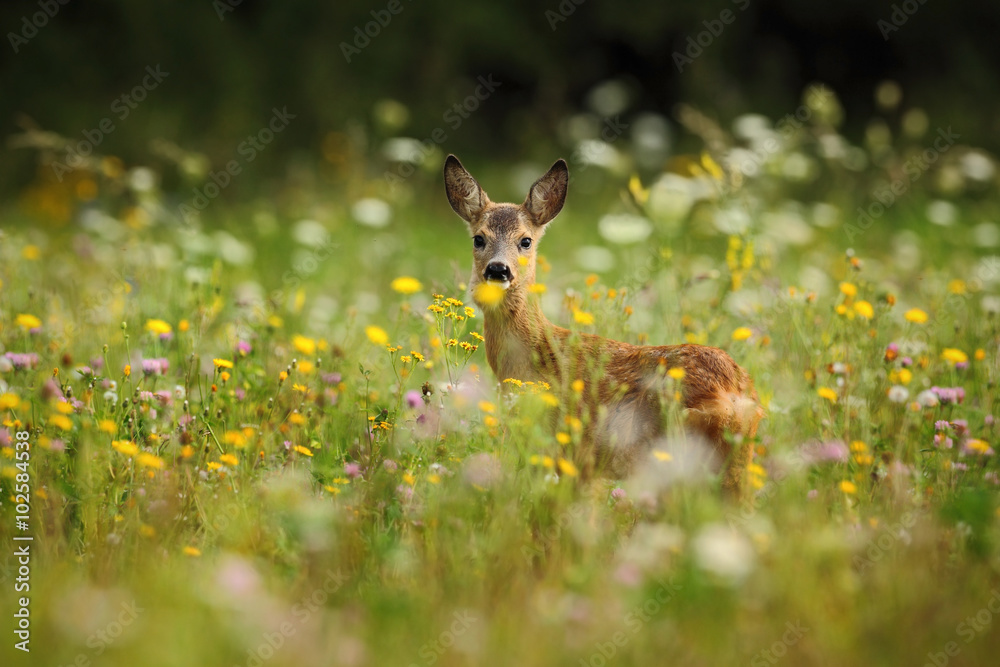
<point>547,196</point>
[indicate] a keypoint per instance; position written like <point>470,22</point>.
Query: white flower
<point>927,399</point>
<point>724,552</point>
<point>898,394</point>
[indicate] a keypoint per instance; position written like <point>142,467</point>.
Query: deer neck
<point>517,336</point>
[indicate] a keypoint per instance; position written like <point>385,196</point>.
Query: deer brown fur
<point>626,384</point>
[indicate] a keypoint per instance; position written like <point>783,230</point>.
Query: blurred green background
<point>230,63</point>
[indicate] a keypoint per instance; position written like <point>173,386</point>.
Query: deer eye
<point>478,241</point>
<point>525,243</point>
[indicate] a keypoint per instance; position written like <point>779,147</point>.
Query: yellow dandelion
<point>222,363</point>
<point>742,333</point>
<point>376,335</point>
<point>827,393</point>
<point>9,401</point>
<point>194,552</point>
<point>849,289</point>
<point>957,286</point>
<point>183,326</point>
<point>406,285</point>
<point>567,468</point>
<point>303,450</point>
<point>954,356</point>
<point>61,421</point>
<point>147,460</point>
<point>978,446</point>
<point>488,294</point>
<point>580,317</point>
<point>229,459</point>
<point>27,322</point>
<point>488,407</point>
<point>577,386</point>
<point>549,399</point>
<point>235,438</point>
<point>677,373</point>
<point>297,418</point>
<point>848,487</point>
<point>915,315</point>
<point>563,438</point>
<point>537,288</point>
<point>158,327</point>
<point>864,309</point>
<point>409,479</point>
<point>126,447</point>
<point>304,345</point>
<point>64,408</point>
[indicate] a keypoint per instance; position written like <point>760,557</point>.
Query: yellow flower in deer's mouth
<point>406,285</point>
<point>488,294</point>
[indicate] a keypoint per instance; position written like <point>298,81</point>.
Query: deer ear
<point>547,196</point>
<point>464,193</point>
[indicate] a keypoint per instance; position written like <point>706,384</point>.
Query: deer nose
<point>497,271</point>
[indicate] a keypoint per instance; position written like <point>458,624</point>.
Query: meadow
<point>267,434</point>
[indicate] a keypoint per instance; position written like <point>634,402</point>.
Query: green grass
<point>445,536</point>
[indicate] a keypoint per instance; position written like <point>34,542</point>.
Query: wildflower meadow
<point>256,426</point>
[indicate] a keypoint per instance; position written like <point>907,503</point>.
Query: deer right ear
<point>464,193</point>
<point>547,196</point>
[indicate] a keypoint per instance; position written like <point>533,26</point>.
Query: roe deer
<point>623,405</point>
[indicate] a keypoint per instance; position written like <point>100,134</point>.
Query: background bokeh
<point>230,63</point>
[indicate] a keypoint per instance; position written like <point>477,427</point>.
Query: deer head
<point>505,236</point>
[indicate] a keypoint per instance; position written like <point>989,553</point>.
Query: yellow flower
<point>980,354</point>
<point>31,252</point>
<point>956,286</point>
<point>377,335</point>
<point>235,438</point>
<point>409,479</point>
<point>849,289</point>
<point>488,294</point>
<point>537,288</point>
<point>303,450</point>
<point>304,345</point>
<point>676,373</point>
<point>127,371</point>
<point>183,325</point>
<point>954,356</point>
<point>742,333</point>
<point>583,318</point>
<point>222,363</point>
<point>64,408</point>
<point>147,460</point>
<point>434,478</point>
<point>9,401</point>
<point>549,399</point>
<point>864,309</point>
<point>977,445</point>
<point>567,468</point>
<point>848,486</point>
<point>26,321</point>
<point>577,386</point>
<point>662,456</point>
<point>297,418</point>
<point>229,459</point>
<point>406,285</point>
<point>61,421</point>
<point>192,551</point>
<point>158,327</point>
<point>563,438</point>
<point>126,447</point>
<point>827,393</point>
<point>486,406</point>
<point>916,315</point>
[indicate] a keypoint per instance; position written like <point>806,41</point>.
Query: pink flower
<point>352,470</point>
<point>414,399</point>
